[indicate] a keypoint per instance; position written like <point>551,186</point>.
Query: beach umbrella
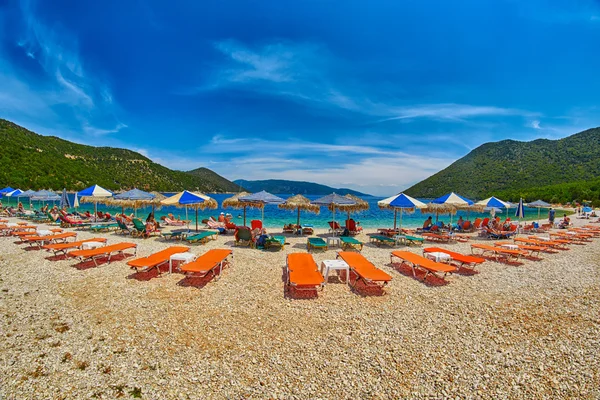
<point>520,213</point>
<point>359,205</point>
<point>133,198</point>
<point>493,210</point>
<point>496,203</point>
<point>263,198</point>
<point>7,189</point>
<point>190,199</point>
<point>76,201</point>
<point>64,200</point>
<point>587,209</point>
<point>15,193</point>
<point>94,194</point>
<point>234,202</point>
<point>402,202</point>
<point>332,201</point>
<point>539,204</point>
<point>449,204</point>
<point>45,195</point>
<point>299,202</point>
<point>27,194</point>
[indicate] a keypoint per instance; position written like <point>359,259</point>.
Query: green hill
<point>32,161</point>
<point>515,168</point>
<point>293,187</point>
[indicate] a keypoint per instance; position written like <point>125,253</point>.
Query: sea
<point>275,217</point>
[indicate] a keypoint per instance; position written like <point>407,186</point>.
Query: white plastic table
<point>510,246</point>
<point>185,257</point>
<point>43,232</point>
<point>333,241</point>
<point>546,239</point>
<point>330,265</point>
<point>11,225</point>
<point>438,256</point>
<point>91,245</point>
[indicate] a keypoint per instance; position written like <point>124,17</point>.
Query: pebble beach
<point>527,330</point>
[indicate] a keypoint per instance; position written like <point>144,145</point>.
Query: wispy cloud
<point>64,80</point>
<point>535,124</point>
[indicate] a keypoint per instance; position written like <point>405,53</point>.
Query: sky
<point>374,96</point>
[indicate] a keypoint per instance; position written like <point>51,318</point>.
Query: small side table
<point>43,232</point>
<point>91,245</point>
<point>510,246</point>
<point>330,265</point>
<point>186,257</point>
<point>333,241</point>
<point>438,256</point>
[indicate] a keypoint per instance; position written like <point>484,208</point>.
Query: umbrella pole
<point>187,219</point>
<point>333,211</point>
<point>298,221</point>
<point>395,216</point>
<point>244,215</point>
<point>196,218</point>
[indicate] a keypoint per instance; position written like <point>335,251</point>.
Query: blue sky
<point>373,95</point>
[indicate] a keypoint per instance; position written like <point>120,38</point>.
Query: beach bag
<point>262,240</point>
<point>346,232</point>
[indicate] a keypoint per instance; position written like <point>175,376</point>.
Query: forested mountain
<point>32,161</point>
<point>519,169</point>
<point>293,187</point>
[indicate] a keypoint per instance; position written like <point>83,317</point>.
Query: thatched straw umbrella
<point>359,205</point>
<point>234,202</point>
<point>198,201</point>
<point>299,202</point>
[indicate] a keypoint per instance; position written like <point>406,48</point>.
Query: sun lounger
<point>547,245</point>
<point>460,260</point>
<point>208,263</point>
<point>559,242</point>
<point>334,227</point>
<point>104,227</point>
<point>409,240</point>
<point>275,241</point>
<point>436,237</point>
<point>172,222</point>
<point>498,253</point>
<point>364,270</point>
<point>106,251</point>
<point>430,267</point>
<point>64,247</point>
<point>380,239</point>
<point>351,243</point>
<point>534,251</point>
<point>155,260</point>
<point>202,237</point>
<point>173,235</point>
<point>40,240</point>
<point>316,243</point>
<point>303,272</point>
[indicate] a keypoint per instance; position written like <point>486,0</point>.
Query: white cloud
<point>535,124</point>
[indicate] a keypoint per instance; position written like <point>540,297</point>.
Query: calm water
<point>276,217</point>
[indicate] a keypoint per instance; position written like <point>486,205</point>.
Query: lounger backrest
<point>256,224</point>
<point>466,225</point>
<point>139,225</point>
<point>301,261</point>
<point>243,233</point>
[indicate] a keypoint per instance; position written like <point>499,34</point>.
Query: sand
<point>509,331</point>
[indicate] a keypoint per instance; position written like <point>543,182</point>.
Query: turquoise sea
<point>275,217</point>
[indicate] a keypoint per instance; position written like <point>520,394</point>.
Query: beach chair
<point>436,237</point>
<point>460,260</point>
<point>243,236</point>
<point>58,248</point>
<point>316,243</point>
<point>68,222</point>
<point>334,227</point>
<point>410,240</point>
<point>146,264</point>
<point>534,251</point>
<point>209,263</point>
<point>352,227</point>
<point>39,241</point>
<point>303,272</point>
<point>351,243</point>
<point>365,271</point>
<point>103,227</point>
<point>275,241</point>
<point>381,239</point>
<point>173,235</point>
<point>415,261</point>
<point>256,224</point>
<point>123,228</point>
<point>202,237</point>
<point>100,252</point>
<point>498,253</point>
<point>290,228</point>
<point>555,243</point>
<point>172,222</point>
<point>307,229</point>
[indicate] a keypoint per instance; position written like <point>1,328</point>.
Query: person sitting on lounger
<point>565,222</point>
<point>427,224</point>
<point>151,220</point>
<point>221,217</point>
<point>20,207</point>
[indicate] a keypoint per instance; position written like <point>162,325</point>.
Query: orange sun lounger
<point>40,240</point>
<point>534,250</point>
<point>435,237</point>
<point>425,264</point>
<point>365,271</point>
<point>155,260</point>
<point>64,247</point>
<point>561,242</point>
<point>208,263</point>
<point>546,245</point>
<point>461,260</point>
<point>303,272</point>
<point>106,251</point>
<point>498,252</point>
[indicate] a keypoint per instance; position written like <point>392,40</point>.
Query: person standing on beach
<point>551,213</point>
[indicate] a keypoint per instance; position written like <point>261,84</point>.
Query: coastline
<point>515,331</point>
